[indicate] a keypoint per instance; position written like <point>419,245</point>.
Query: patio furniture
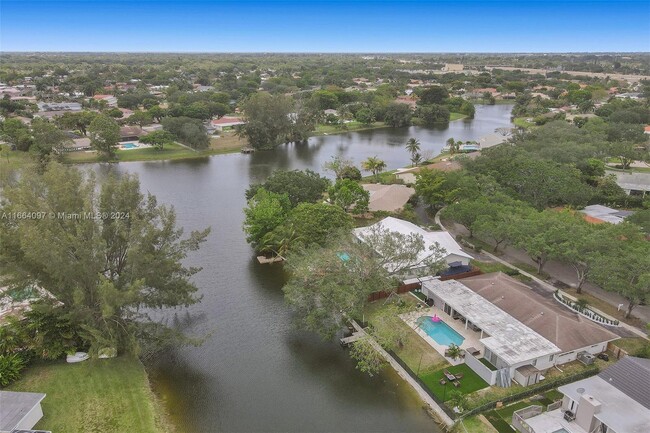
<point>456,383</point>
<point>473,351</point>
<point>443,382</point>
<point>449,376</point>
<point>459,376</point>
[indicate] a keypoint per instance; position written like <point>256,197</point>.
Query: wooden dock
<point>346,341</point>
<point>247,150</point>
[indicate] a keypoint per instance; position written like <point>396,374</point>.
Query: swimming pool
<point>129,146</point>
<point>440,331</point>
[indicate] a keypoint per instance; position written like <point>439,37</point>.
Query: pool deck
<point>471,337</point>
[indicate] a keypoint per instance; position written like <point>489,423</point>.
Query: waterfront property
<point>617,400</point>
<point>388,198</point>
<point>226,123</point>
<point>19,410</point>
<point>519,333</point>
<point>453,255</point>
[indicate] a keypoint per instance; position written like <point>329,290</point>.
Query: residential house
<point>388,198</point>
<point>59,106</point>
<point>111,100</point>
<point>19,411</point>
<point>598,214</point>
<point>617,400</point>
<point>226,123</point>
<point>454,256</point>
<point>131,133</point>
<point>633,183</point>
<point>522,333</point>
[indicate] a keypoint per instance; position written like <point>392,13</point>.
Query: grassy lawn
<point>348,127</point>
<point>606,308</point>
<point>489,267</point>
<point>476,424</point>
<point>470,382</point>
<point>385,177</point>
<point>456,116</point>
<point>10,161</point>
<point>497,422</point>
<point>521,122</point>
<point>415,352</point>
<point>633,346</point>
<point>531,269</point>
<point>102,396</point>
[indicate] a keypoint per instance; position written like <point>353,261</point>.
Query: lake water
<point>257,373</point>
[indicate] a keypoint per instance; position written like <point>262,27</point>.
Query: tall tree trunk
<point>630,306</point>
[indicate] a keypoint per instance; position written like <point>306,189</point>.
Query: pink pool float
<point>435,318</point>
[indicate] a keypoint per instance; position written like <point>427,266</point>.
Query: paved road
<point>563,273</point>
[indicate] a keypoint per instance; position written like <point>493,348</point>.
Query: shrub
<point>10,367</point>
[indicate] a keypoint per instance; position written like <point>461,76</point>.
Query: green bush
<point>10,367</point>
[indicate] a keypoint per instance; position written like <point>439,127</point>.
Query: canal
<point>256,372</point>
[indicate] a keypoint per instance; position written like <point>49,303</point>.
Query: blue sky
<point>325,26</point>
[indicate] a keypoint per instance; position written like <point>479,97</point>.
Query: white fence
<point>479,368</point>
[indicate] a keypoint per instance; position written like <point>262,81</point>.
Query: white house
<point>617,400</point>
<point>522,333</point>
<point>110,100</point>
<point>19,410</point>
<point>454,255</point>
<point>225,123</point>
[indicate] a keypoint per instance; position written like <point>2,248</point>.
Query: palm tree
<point>413,146</point>
<point>416,158</point>
<point>374,165</point>
<point>457,400</point>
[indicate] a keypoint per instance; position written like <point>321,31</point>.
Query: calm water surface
<point>257,373</point>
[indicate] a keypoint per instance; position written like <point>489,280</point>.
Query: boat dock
<point>346,341</point>
<point>247,150</point>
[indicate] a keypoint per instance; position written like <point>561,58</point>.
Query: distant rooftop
<point>606,214</point>
<point>509,339</point>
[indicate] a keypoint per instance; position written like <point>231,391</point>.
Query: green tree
<point>430,187</point>
<point>268,121</point>
<point>365,115</point>
<point>104,135</point>
<point>432,115</point>
<point>299,186</point>
<point>642,219</point>
<point>349,196</point>
<point>158,139</point>
<point>398,115</point>
<point>17,133</point>
<point>433,95</point>
<point>48,139</point>
<point>109,270</point>
<point>413,147</point>
<point>374,165</point>
<point>140,118</point>
<point>338,165</point>
<point>77,120</point>
<point>265,211</point>
<point>541,234</point>
<point>157,112</point>
<point>308,224</point>
<point>625,270</point>
<point>188,131</point>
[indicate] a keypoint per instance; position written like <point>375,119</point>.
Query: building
<point>59,106</point>
<point>454,255</point>
<point>599,214</point>
<point>388,198</point>
<point>19,410</point>
<point>226,123</point>
<point>617,400</point>
<point>131,133</point>
<point>633,183</point>
<point>522,334</point>
<point>453,67</point>
<point>110,100</point>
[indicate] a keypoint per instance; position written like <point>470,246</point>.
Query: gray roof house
<point>633,183</point>
<point>19,410</point>
<point>617,400</point>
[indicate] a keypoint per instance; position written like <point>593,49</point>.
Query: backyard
<point>104,396</point>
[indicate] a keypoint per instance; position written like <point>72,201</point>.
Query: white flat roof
<point>509,339</point>
<point>618,410</point>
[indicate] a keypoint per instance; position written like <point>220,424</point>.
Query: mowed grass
<point>470,382</point>
<point>415,352</point>
<point>347,127</point>
<point>102,396</point>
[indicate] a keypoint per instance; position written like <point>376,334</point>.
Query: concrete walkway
<point>561,272</point>
<point>442,416</point>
